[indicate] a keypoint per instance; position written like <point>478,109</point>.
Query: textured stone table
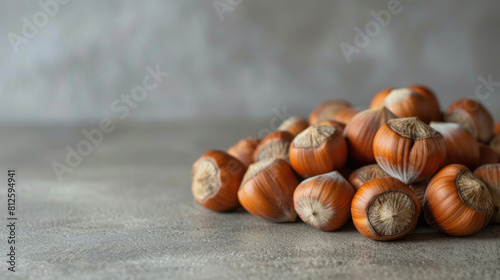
<point>126,212</point>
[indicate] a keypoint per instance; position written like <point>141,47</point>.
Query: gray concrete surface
<point>126,212</point>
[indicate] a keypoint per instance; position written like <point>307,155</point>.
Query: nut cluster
<point>382,166</point>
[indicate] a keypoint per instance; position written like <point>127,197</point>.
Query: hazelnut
<point>385,209</point>
<point>490,175</point>
<point>216,177</point>
<point>365,174</point>
<point>432,101</point>
<point>472,116</point>
<point>456,202</point>
<point>324,201</point>
<point>461,146</point>
<point>318,150</point>
<point>267,190</point>
<point>380,97</point>
<point>274,145</point>
<point>294,125</point>
<point>336,124</point>
<point>327,110</point>
<point>409,150</point>
<point>244,150</point>
<point>361,131</point>
<point>346,115</point>
<point>405,103</point>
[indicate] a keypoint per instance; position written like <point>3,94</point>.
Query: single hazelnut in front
<point>490,175</point>
<point>294,125</point>
<point>461,146</point>
<point>216,177</point>
<point>406,103</point>
<point>336,124</point>
<point>275,145</point>
<point>457,202</point>
<point>378,99</point>
<point>267,190</point>
<point>244,150</point>
<point>327,110</point>
<point>365,174</point>
<point>360,132</point>
<point>385,209</point>
<point>432,101</point>
<point>346,115</point>
<point>487,155</point>
<point>324,201</point>
<point>318,150</point>
<point>472,116</point>
<point>409,150</point>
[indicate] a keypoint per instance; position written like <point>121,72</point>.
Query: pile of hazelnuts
<point>398,162</point>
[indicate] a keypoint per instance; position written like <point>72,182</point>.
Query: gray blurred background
<point>240,61</point>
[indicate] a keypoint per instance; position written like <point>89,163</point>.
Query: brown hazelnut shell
<point>385,209</point>
<point>267,190</point>
<point>216,177</point>
<point>456,202</point>
<point>324,201</point>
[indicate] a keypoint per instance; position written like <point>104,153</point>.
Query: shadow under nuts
<point>409,150</point>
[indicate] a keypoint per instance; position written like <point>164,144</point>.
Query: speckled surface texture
<point>127,213</point>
